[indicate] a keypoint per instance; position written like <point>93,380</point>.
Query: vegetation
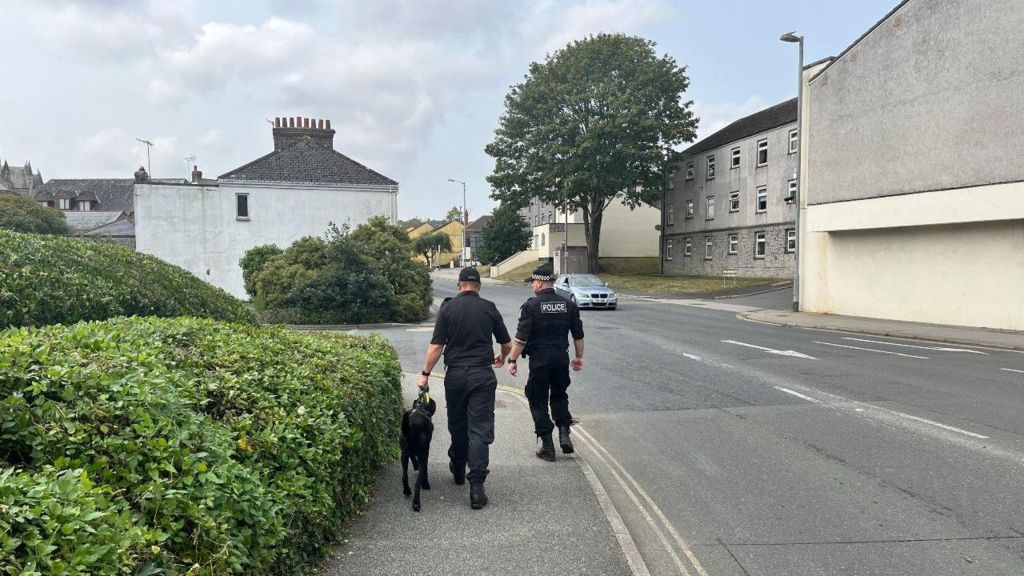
<point>589,124</point>
<point>58,280</point>
<point>506,234</point>
<point>252,262</point>
<point>173,446</point>
<point>414,222</point>
<point>681,285</point>
<point>365,276</point>
<point>429,245</point>
<point>454,214</point>
<point>629,266</point>
<point>21,214</point>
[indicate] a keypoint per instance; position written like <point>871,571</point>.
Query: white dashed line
<point>936,348</point>
<point>1012,370</point>
<point>871,350</point>
<point>798,395</point>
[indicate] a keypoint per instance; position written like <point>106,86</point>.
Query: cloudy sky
<point>414,88</point>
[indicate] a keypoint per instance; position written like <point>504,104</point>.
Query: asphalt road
<point>736,448</point>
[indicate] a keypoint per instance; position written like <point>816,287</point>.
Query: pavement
<point>542,518</point>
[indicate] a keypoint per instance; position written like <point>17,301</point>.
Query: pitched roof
<point>480,223</point>
<point>306,161</point>
<point>124,227</point>
<point>758,122</point>
<point>81,222</point>
<point>112,194</point>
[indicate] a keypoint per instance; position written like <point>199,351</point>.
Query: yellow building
<point>451,229</point>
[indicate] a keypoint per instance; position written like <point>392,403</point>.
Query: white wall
<point>629,233</point>
<point>195,226</point>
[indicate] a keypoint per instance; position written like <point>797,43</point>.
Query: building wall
<point>776,263</point>
<point>547,238</point>
<point>930,100</point>
<point>744,180</point>
<point>195,226</point>
<point>454,232</point>
<point>629,233</point>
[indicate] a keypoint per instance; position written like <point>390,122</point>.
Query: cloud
<point>717,115</point>
<point>114,153</point>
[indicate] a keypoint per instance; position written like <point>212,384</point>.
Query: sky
<point>413,88</point>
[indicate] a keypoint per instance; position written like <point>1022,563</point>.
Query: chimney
<point>291,130</point>
<point>197,176</point>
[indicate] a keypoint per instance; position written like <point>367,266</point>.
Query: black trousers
<point>469,394</point>
<point>549,379</point>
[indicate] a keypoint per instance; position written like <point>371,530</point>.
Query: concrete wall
<point>930,100</point>
<point>195,226</point>
<point>629,233</point>
<point>513,262</point>
<point>776,263</point>
<point>548,237</point>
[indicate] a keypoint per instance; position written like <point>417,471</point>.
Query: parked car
<point>587,291</point>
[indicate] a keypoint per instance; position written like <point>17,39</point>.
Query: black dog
<point>417,430</point>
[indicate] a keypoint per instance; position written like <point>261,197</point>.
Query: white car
<point>587,291</point>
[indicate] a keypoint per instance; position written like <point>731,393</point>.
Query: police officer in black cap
<point>463,331</point>
<point>545,321</point>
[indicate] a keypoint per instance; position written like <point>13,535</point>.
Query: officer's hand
<point>499,361</point>
<point>512,368</point>
<point>577,364</point>
<point>424,383</point>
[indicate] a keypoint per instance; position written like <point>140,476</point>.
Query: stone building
<point>19,179</point>
<point>297,190</point>
<point>913,197</point>
<point>729,206</point>
<point>101,208</point>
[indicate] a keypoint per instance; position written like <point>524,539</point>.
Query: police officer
<point>544,323</point>
<point>463,333</point>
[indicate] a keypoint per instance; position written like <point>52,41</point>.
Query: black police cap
<point>469,274</point>
<point>544,273</point>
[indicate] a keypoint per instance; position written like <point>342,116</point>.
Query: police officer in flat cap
<point>462,332</point>
<point>545,323</point>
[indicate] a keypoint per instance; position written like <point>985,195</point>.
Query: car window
<point>587,280</point>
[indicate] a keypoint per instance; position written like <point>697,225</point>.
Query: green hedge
<point>22,214</point>
<point>56,280</point>
<point>149,445</point>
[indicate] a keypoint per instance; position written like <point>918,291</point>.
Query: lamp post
<point>792,37</point>
<point>464,223</point>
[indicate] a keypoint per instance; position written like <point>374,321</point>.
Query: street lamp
<point>464,222</point>
<point>793,38</point>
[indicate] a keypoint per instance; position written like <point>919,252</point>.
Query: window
<point>734,243</point>
<point>668,250</point>
<point>762,152</point>
<point>670,214</point>
<point>241,206</point>
<point>790,240</point>
<point>687,247</point>
<point>542,238</point>
<point>762,199</point>
<point>689,209</point>
<point>710,212</point>
<point>84,206</point>
<point>707,247</point>
<point>711,167</point>
<point>794,141</point>
<point>759,244</point>
<point>672,179</point>
<point>735,163</point>
<point>792,192</point>
<point>689,170</point>
<point>734,202</point>
<point>63,203</point>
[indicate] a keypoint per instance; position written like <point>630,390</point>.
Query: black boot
<point>458,472</point>
<point>564,441</point>
<point>547,449</point>
<point>477,497</point>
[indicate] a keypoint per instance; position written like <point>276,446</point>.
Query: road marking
<point>798,395</point>
<point>1012,370</point>
<point>871,350</point>
<point>792,353</point>
<point>692,356</point>
<point>936,348</point>
<point>940,425</point>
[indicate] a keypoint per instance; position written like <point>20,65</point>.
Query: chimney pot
<point>298,121</point>
<point>320,124</point>
<point>328,124</point>
<point>291,122</point>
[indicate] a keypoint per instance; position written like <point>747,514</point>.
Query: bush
<point>22,214</point>
<point>139,445</point>
<point>57,280</point>
<point>253,262</point>
<point>366,276</point>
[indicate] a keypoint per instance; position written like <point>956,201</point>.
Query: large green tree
<point>454,214</point>
<point>22,214</point>
<point>596,121</point>
<point>505,235</point>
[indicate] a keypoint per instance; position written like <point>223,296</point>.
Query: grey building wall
<point>744,180</point>
<point>930,99</point>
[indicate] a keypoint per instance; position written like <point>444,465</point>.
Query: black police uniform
<point>464,326</point>
<point>544,323</point>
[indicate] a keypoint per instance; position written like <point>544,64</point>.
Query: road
<point>734,448</point>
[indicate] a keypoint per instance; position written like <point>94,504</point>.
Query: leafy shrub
<point>22,214</point>
<point>139,445</point>
<point>361,277</point>
<point>52,279</point>
<point>505,235</point>
<point>253,262</point>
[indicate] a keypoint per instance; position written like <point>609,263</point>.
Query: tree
<point>454,214</point>
<point>596,121</point>
<point>430,244</point>
<point>414,222</point>
<point>505,235</point>
<point>252,262</point>
<point>22,214</point>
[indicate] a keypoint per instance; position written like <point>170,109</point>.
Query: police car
<point>587,291</point>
